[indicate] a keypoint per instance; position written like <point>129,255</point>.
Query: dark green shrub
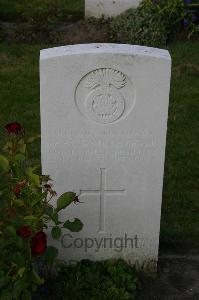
<point>97,281</point>
<point>191,19</point>
<point>139,26</point>
<point>151,24</point>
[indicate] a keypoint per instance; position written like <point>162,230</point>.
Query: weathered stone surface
<point>103,123</point>
<point>108,8</point>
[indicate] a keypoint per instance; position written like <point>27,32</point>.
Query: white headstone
<point>103,123</point>
<point>108,8</point>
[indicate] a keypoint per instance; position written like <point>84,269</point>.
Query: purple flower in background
<point>185,22</point>
<point>187,1</point>
<point>194,18</point>
<point>154,2</point>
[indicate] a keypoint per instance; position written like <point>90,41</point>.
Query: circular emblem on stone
<point>100,96</point>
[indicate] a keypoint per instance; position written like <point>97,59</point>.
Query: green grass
<point>19,87</point>
<point>69,10</point>
<point>19,100</point>
<point>180,213</point>
<point>8,10</point>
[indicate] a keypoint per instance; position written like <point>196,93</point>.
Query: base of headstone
<point>108,8</point>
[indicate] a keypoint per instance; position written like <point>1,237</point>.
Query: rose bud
<point>18,188</point>
<point>38,243</point>
<point>23,183</point>
<point>24,232</point>
<point>17,191</point>
<point>13,128</point>
<point>76,200</point>
<point>48,188</point>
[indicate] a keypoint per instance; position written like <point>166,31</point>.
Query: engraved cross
<point>102,192</point>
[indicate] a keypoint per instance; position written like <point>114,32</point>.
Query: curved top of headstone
<point>104,48</point>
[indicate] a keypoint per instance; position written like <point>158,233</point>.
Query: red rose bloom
<point>18,188</point>
<point>13,128</point>
<point>24,232</point>
<point>38,243</point>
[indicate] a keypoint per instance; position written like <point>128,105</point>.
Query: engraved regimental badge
<point>104,101</point>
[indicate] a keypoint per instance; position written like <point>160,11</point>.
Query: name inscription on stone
<point>84,146</point>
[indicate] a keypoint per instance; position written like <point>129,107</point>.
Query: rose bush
<point>25,212</point>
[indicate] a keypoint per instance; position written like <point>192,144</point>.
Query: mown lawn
<point>180,213</point>
<point>9,9</point>
<point>19,100</point>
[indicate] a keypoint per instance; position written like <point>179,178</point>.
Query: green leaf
<point>33,138</point>
<point>19,286</point>
<point>50,254</point>
<point>18,202</point>
<point>7,146</point>
<point>74,226</point>
<point>55,218</point>
<point>19,157</point>
<point>19,242</point>
<point>65,200</point>
<point>18,258</point>
<point>21,272</point>
<point>49,211</point>
<point>38,280</point>
<point>6,294</point>
<point>35,181</point>
<point>4,163</point>
<point>4,279</point>
<point>27,295</point>
<point>39,198</point>
<point>22,146</point>
<point>30,218</point>
<point>10,230</point>
<point>34,178</point>
<point>56,232</point>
